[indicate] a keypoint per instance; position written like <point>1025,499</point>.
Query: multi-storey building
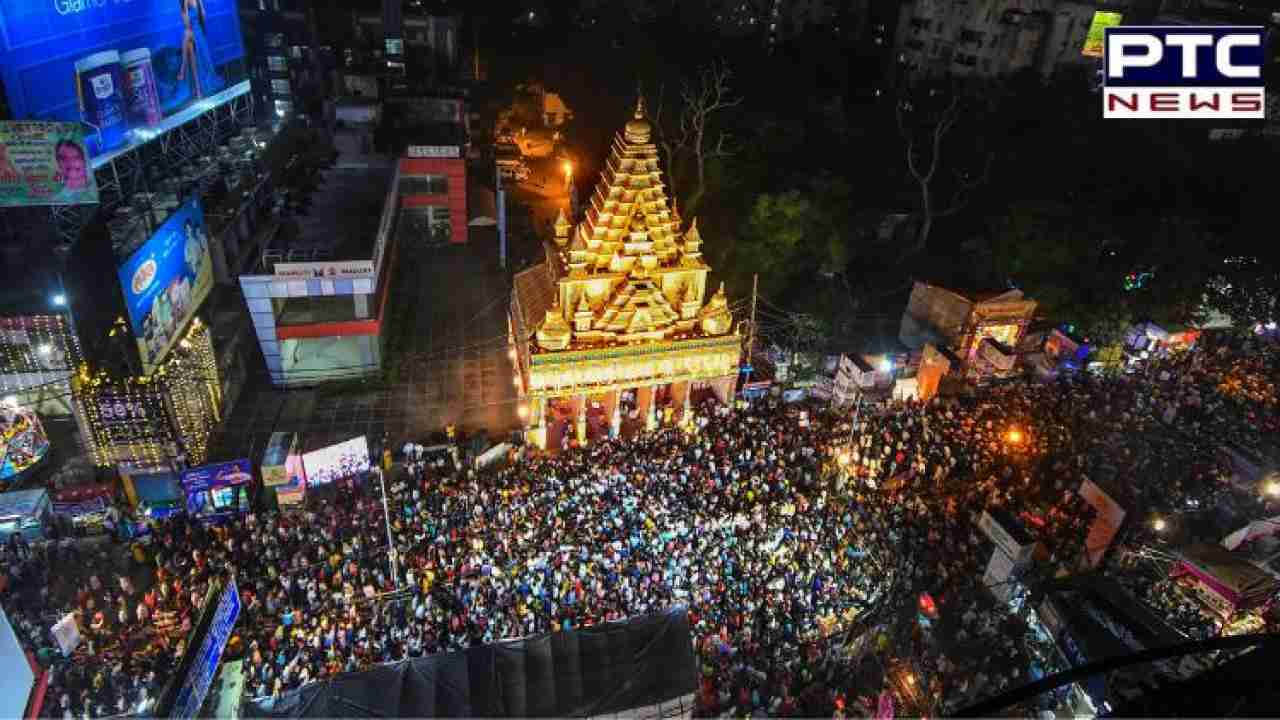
<point>994,38</point>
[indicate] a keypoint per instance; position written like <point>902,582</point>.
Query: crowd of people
<point>791,533</point>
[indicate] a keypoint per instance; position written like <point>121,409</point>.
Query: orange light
<point>1015,436</point>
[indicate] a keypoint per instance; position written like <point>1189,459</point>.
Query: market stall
<point>85,505</point>
<point>1223,581</point>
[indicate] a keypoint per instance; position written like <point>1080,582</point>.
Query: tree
<point>923,144</point>
<point>697,136</point>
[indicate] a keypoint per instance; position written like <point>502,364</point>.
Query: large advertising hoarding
<point>337,462</point>
<point>1096,39</point>
<point>216,475</point>
<point>165,281</point>
<point>120,67</point>
<point>45,163</point>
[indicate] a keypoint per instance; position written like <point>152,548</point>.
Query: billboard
<point>215,475</point>
<point>1095,40</point>
<point>337,462</point>
<point>119,67</point>
<point>165,281</point>
<point>45,163</point>
<point>202,665</point>
<point>23,442</point>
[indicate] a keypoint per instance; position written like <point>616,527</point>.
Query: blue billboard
<point>204,663</point>
<point>120,67</point>
<point>216,475</point>
<point>165,281</point>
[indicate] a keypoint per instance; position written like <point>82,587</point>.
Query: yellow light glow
<point>1014,437</point>
<point>1159,524</point>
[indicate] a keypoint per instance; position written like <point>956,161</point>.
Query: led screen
<point>117,66</point>
<point>165,281</point>
<point>337,462</point>
<point>1096,39</point>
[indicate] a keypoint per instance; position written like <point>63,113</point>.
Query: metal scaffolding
<point>126,175</point>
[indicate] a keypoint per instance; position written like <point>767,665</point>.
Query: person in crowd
<point>797,548</point>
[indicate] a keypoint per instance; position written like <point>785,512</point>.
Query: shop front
<point>85,506</point>
<point>25,511</point>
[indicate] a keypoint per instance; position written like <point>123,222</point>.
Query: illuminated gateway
<point>617,313</point>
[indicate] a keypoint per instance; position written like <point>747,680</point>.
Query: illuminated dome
<point>638,130</point>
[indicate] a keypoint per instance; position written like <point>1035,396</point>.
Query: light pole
<point>386,516</point>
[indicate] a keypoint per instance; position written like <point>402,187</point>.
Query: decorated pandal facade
<point>618,311</point>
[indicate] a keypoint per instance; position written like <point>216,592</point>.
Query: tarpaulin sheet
<point>599,670</point>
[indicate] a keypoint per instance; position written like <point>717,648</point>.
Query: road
<point>453,366</point>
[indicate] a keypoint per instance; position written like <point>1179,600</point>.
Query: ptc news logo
<point>1183,72</point>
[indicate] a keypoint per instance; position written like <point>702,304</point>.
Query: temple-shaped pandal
<point>617,312</point>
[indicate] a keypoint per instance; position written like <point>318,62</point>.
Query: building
<point>995,38</point>
<point>618,310</point>
<point>981,328</point>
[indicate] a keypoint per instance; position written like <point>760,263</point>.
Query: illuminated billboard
<point>45,163</point>
<point>1096,39</point>
<point>165,281</point>
<point>119,67</point>
<point>337,462</point>
<point>23,442</point>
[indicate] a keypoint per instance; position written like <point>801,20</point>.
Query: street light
<point>1159,524</point>
<point>59,300</point>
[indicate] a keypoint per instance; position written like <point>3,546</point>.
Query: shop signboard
<point>216,475</point>
<point>166,280</point>
<point>434,151</point>
<point>337,462</point>
<point>122,69</point>
<point>45,163</point>
<point>326,270</point>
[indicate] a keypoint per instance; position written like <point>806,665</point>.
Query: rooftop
<point>338,220</point>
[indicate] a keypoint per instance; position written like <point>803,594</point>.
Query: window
<point>296,51</point>
<point>424,185</point>
<point>277,63</point>
<point>280,87</point>
<point>275,40</point>
<point>918,24</point>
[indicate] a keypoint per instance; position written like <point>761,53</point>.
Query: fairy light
<point>150,418</point>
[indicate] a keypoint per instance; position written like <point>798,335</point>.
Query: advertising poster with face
<point>166,280</point>
<point>44,163</point>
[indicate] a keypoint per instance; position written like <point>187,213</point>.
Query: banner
<point>1106,522</point>
<point>166,280</point>
<point>83,507</point>
<point>224,474</point>
<point>1004,538</point>
<point>67,634</point>
<point>45,163</point>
